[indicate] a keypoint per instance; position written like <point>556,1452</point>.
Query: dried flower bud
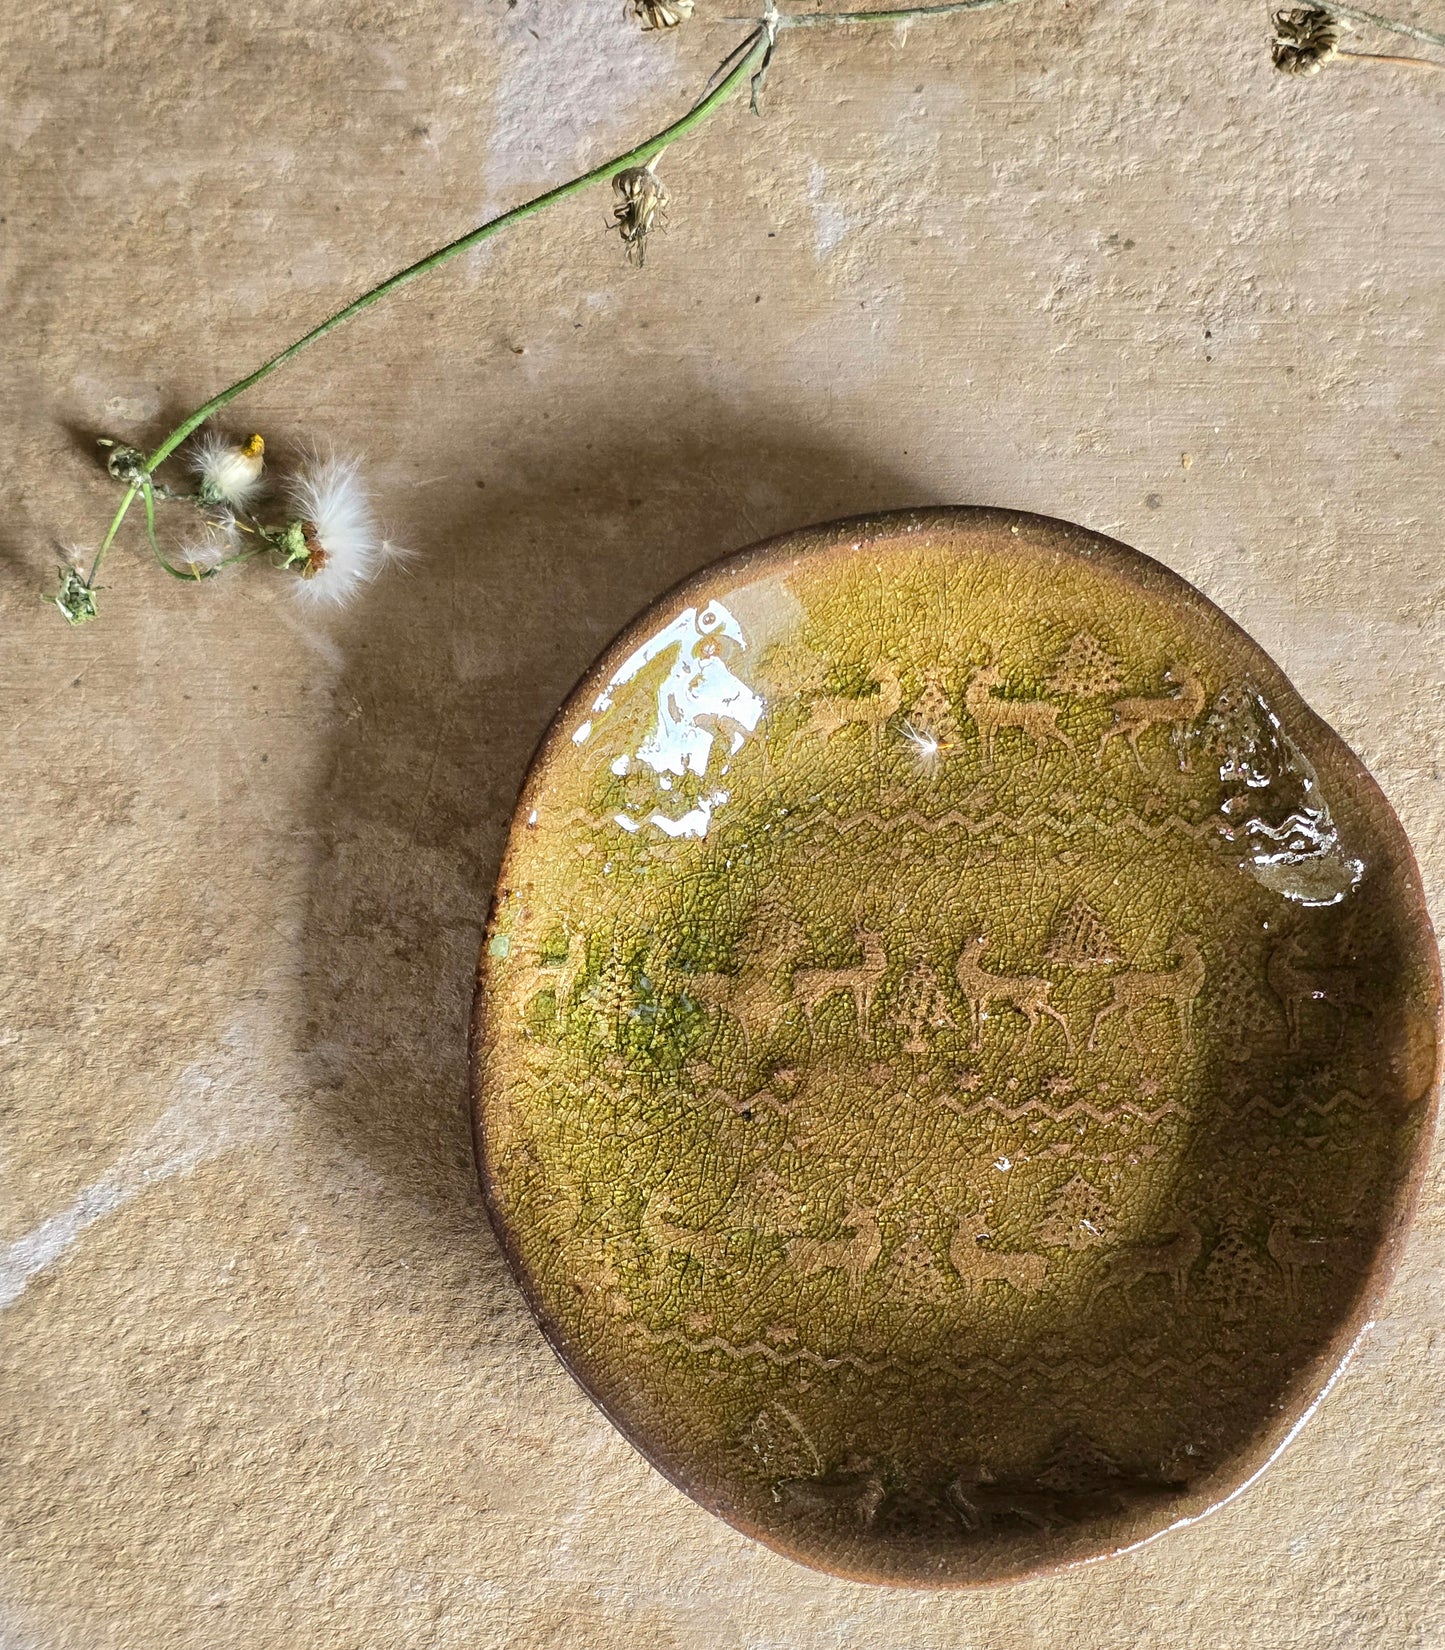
<point>298,547</point>
<point>127,464</point>
<point>230,472</point>
<point>641,201</point>
<point>76,596</point>
<point>661,14</point>
<point>1305,39</point>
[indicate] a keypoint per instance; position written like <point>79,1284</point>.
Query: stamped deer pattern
<point>812,987</point>
<point>1026,994</point>
<point>992,713</point>
<point>1136,990</point>
<point>1297,982</point>
<point>1172,1259</point>
<point>976,1264</point>
<point>852,1254</point>
<point>833,712</point>
<point>1170,711</point>
<point>934,1100</point>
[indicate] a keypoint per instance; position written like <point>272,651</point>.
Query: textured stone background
<point>265,1381</point>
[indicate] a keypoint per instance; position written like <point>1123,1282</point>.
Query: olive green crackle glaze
<point>955,1044</point>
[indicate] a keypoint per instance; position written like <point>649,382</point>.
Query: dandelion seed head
<point>334,543</point>
<point>202,555</point>
<point>230,471</point>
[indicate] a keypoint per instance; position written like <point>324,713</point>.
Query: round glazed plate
<point>955,1045</point>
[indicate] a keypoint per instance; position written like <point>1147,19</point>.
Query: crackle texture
<point>946,1107</point>
<point>267,1378</point>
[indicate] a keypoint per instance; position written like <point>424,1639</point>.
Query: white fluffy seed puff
<point>230,471</point>
<point>213,544</point>
<point>340,547</point>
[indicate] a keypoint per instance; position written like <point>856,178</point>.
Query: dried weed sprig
<point>76,596</point>
<point>641,205</point>
<point>334,567</point>
<point>1306,38</point>
<point>661,14</point>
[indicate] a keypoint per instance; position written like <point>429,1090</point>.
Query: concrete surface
<point>265,1379</point>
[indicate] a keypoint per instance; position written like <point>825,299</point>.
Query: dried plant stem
<point>1429,37</point>
<point>752,52</point>
<point>903,14</point>
<point>745,63</point>
<point>1390,57</point>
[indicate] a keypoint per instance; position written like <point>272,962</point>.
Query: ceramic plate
<point>955,1046</point>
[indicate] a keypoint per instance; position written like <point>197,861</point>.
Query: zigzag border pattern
<point>1205,830</point>
<point>1061,1114</point>
<point>1321,1108</point>
<point>964,1370</point>
<point>1026,824</point>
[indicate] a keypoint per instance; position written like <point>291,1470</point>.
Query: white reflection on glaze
<point>698,702</point>
<point>1302,857</point>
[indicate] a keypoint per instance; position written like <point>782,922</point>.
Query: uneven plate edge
<point>1310,1383</point>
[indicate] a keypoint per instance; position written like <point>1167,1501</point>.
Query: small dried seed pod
<point>76,596</point>
<point>641,202</point>
<point>660,14</point>
<point>127,464</point>
<point>1305,39</point>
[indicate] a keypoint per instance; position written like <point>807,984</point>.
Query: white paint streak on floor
<point>573,76</point>
<point>831,223</point>
<point>216,1106</point>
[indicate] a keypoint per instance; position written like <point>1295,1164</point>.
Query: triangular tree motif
<point>772,933</point>
<point>922,1007</point>
<point>613,998</point>
<point>1079,938</point>
<point>1077,1466</point>
<point>777,1207</point>
<point>1242,1005</point>
<point>1076,1217</point>
<point>933,716</point>
<point>913,1270</point>
<point>1086,669</point>
<point>780,1444</point>
<point>1234,1279</point>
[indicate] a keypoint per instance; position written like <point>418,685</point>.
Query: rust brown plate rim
<point>1312,1381</point>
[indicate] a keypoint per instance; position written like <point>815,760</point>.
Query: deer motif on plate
<point>664,1235</point>
<point>751,999</point>
<point>1292,1253</point>
<point>852,1492</point>
<point>1175,711</point>
<point>1174,1259</point>
<point>1297,982</point>
<point>980,1503</point>
<point>835,711</point>
<point>976,1264</point>
<point>1026,994</point>
<point>1138,989</point>
<point>853,1253</point>
<point>811,987</point>
<point>1038,718</point>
